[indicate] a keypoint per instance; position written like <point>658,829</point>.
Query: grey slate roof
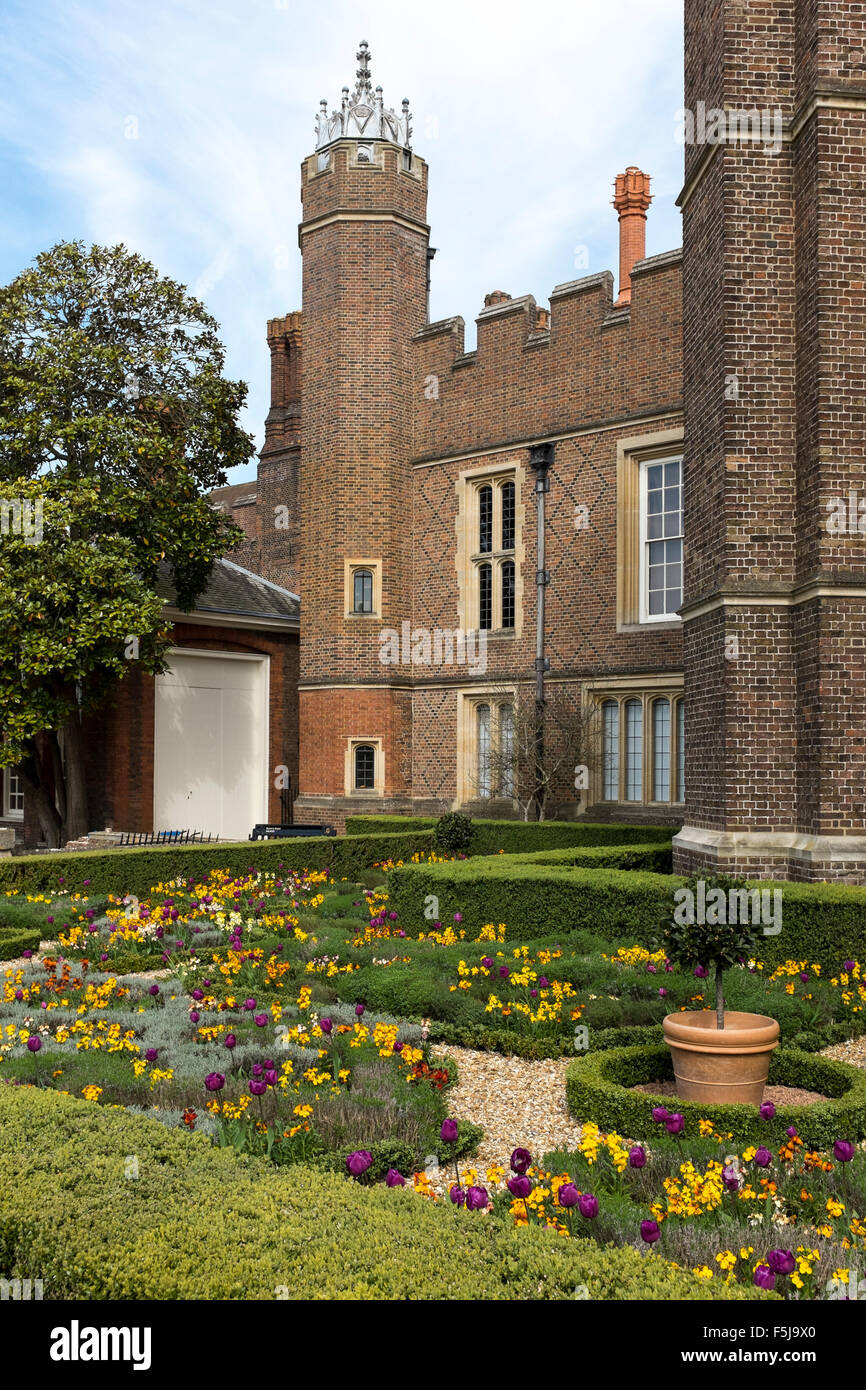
<point>231,589</point>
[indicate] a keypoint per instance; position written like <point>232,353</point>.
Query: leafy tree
<point>115,423</point>
<point>716,943</point>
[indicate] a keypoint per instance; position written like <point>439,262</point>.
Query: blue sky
<point>178,127</point>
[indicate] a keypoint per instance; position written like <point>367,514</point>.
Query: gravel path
<point>518,1103</point>
<point>853,1052</point>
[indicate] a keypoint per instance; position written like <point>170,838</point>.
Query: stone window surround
<point>631,453</point>
<point>350,565</point>
<point>468,557</point>
<point>467,734</point>
<point>646,689</point>
<point>377,791</point>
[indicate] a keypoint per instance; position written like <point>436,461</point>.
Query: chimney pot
<point>631,200</point>
<point>495,297</point>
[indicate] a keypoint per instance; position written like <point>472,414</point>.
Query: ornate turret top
<point>362,115</point>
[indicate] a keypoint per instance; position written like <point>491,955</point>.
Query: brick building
<point>404,479</point>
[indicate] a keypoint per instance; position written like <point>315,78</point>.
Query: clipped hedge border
<point>314,1234</point>
<point>518,837</point>
<point>139,870</point>
<point>14,942</point>
<point>597,1088</point>
<point>513,1044</point>
<point>821,922</point>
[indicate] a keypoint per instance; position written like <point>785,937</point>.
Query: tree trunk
<point>40,799</point>
<point>75,821</point>
<point>720,999</point>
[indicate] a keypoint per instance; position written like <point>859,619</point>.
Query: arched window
<point>506,750</point>
<point>363,591</point>
<point>485,598</point>
<point>610,734</point>
<point>507,517</point>
<point>365,767</point>
<point>508,594</point>
<point>482,716</point>
<point>485,520</point>
<point>633,750</point>
<point>681,750</point>
<point>661,750</point>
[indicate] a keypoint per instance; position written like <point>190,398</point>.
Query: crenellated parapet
<point>535,372</point>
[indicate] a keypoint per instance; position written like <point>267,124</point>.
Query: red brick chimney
<point>495,297</point>
<point>632,198</point>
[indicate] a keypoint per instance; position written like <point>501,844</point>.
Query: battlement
<point>287,324</point>
<point>537,371</point>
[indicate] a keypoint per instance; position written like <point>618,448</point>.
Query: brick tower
<point>774,612</point>
<point>364,241</point>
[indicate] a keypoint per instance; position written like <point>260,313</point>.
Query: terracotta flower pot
<point>721,1066</point>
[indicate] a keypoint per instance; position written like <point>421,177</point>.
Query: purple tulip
<point>194,1015</point>
<point>258,1088</point>
<point>637,1156</point>
<point>520,1161</point>
<point>487,962</point>
<point>675,1124</point>
<point>791,1131</point>
<point>27,954</point>
<point>34,1044</point>
<point>271,1076</point>
<point>781,1262</point>
<point>767,1110</point>
<point>543,981</point>
<point>649,1232</point>
<point>360,1010</point>
<point>260,1020</point>
<point>215,1081</point>
<point>394,1179</point>
<point>154,990</point>
<point>731,1179</point>
<point>448,1132</point>
<point>519,1186</point>
<point>568,1195</point>
<point>326,1025</point>
<point>398,1047</point>
<point>763,1157</point>
<point>764,1278</point>
<point>358,1162</point>
<point>458,916</point>
<point>504,972</point>
<point>587,1205</point>
<point>663,994</point>
<point>257,1068</point>
<point>843,1150</point>
<point>701,972</point>
<point>103,957</point>
<point>249,1005</point>
<point>198,994</point>
<point>230,1040</point>
<point>651,968</point>
<point>19,994</point>
<point>848,965</point>
<point>151,1054</point>
<point>660,1114</point>
<point>457,1195</point>
<point>476,1198</point>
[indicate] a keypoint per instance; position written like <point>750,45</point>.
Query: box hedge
<point>521,837</point>
<point>598,1088</point>
<point>70,1216</point>
<point>821,922</point>
<point>138,870</point>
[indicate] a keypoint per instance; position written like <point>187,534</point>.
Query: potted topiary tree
<point>719,1056</point>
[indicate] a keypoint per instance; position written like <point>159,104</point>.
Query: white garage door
<point>210,745</point>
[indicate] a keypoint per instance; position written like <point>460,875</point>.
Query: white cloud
<point>524,114</point>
